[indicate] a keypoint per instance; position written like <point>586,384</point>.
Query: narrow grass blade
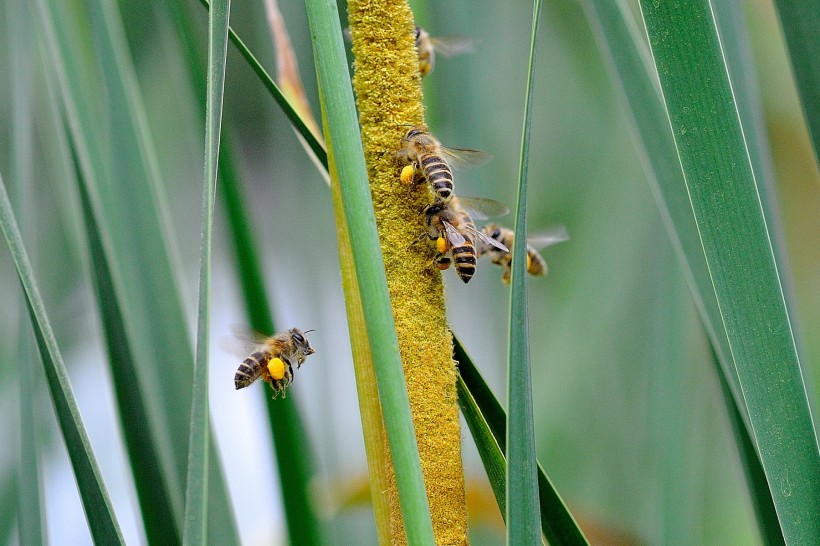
<point>728,212</point>
<point>98,509</point>
<point>345,142</point>
<point>31,520</point>
<point>196,493</point>
<point>295,459</point>
<point>290,111</point>
<point>800,21</point>
<point>155,500</point>
<point>523,516</point>
<point>488,449</point>
<point>557,524</point>
<point>630,64</point>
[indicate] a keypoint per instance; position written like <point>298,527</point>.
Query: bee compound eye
<point>299,338</point>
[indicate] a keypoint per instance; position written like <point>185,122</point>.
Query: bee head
<point>301,341</point>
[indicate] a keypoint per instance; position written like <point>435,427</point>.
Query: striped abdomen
<point>251,368</point>
<point>464,261</point>
<point>438,175</point>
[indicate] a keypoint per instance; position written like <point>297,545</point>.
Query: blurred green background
<point>629,418</point>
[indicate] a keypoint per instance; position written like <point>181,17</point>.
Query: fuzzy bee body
<point>274,360</point>
<point>455,234</point>
<point>431,161</point>
<point>536,265</point>
<point>427,47</point>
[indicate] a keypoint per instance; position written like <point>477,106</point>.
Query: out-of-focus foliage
<point>629,419</point>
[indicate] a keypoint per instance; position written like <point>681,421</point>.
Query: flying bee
<point>431,161</point>
<point>536,265</point>
<point>453,229</point>
<point>274,359</point>
<point>427,47</point>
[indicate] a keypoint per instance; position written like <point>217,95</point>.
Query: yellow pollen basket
<point>276,368</point>
<point>407,174</point>
<point>529,262</point>
<point>441,245</point>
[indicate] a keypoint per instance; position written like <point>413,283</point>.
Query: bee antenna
<point>308,331</point>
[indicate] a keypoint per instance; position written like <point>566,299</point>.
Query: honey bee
<point>453,229</point>
<point>273,360</point>
<point>427,161</point>
<point>427,47</point>
<point>536,265</point>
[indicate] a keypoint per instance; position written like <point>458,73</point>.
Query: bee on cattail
<point>536,265</point>
<point>429,160</point>
<point>455,233</point>
<point>273,359</point>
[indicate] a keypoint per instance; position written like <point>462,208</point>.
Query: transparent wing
<point>243,341</point>
<point>551,236</point>
<point>480,208</point>
<point>485,241</point>
<point>453,236</point>
<point>453,45</point>
<point>463,158</point>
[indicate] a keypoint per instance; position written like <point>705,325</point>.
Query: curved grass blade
<point>196,493</point>
<point>523,516</point>
<point>344,140</point>
<point>800,21</point>
<point>557,524</point>
<point>99,512</point>
<point>725,200</point>
<point>290,111</point>
<point>155,500</point>
<point>488,449</point>
<point>629,64</point>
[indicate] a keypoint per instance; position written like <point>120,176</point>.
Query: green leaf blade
<point>344,138</point>
<point>523,514</point>
<point>98,509</point>
<point>195,529</point>
<point>800,21</point>
<point>739,255</point>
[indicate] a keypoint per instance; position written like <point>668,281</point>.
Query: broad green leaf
<point>630,65</point>
<point>344,140</point>
<point>98,509</point>
<point>523,516</point>
<point>739,255</point>
<point>195,528</point>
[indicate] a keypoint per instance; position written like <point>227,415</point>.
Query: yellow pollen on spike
<point>276,368</point>
<point>441,245</point>
<point>407,174</point>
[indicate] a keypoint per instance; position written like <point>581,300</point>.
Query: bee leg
<point>442,262</point>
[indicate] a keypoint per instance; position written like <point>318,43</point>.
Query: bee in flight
<point>536,265</point>
<point>274,359</point>
<point>427,47</point>
<point>453,229</point>
<point>431,161</point>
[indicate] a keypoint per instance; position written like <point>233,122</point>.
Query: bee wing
<point>347,34</point>
<point>480,208</point>
<point>463,158</point>
<point>485,241</point>
<point>453,45</point>
<point>550,236</point>
<point>244,341</point>
<point>455,238</point>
